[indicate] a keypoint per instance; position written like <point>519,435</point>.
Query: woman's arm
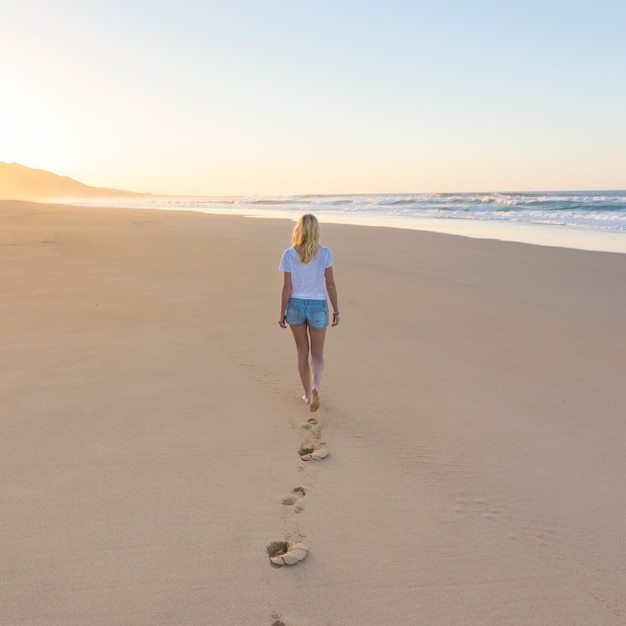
<point>284,298</point>
<point>331,288</point>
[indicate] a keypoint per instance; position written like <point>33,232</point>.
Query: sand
<point>472,410</point>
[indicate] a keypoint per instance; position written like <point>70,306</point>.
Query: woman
<point>308,276</point>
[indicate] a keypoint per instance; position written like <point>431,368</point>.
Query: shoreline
<point>499,230</point>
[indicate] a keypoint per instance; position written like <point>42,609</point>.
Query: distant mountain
<point>18,182</point>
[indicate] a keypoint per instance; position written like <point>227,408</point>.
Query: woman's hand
<point>335,319</point>
<point>281,322</point>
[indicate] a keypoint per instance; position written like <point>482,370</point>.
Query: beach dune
<point>18,182</point>
<point>472,411</point>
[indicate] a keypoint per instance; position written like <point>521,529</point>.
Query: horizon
<point>202,99</point>
<point>346,194</point>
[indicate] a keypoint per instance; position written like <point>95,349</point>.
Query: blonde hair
<point>306,237</point>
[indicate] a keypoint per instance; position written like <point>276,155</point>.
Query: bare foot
<point>306,400</point>
<point>315,402</point>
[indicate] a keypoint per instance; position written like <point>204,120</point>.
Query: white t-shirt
<point>307,279</point>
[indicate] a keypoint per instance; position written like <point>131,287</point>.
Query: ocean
<point>594,220</point>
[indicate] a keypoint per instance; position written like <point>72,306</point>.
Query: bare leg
<point>317,362</point>
<point>301,336</point>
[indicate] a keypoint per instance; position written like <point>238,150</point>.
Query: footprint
<point>278,621</point>
<point>308,453</point>
<point>309,423</point>
<point>283,553</point>
<point>296,495</point>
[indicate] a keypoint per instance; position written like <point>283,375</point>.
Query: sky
<point>277,97</point>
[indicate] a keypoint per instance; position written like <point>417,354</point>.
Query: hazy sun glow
<point>251,98</point>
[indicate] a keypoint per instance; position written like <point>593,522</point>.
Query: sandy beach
<point>473,410</point>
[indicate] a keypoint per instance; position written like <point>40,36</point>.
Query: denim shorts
<point>313,312</point>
